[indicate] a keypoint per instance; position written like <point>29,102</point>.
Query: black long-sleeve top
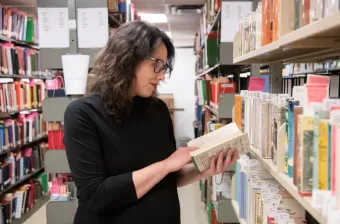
<point>103,154</point>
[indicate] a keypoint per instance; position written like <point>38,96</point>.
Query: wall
<point>181,84</point>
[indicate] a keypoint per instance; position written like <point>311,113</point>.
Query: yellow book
<point>238,111</point>
<point>28,97</point>
<point>35,98</point>
<point>323,154</point>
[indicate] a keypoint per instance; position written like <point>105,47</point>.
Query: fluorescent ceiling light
<point>154,18</point>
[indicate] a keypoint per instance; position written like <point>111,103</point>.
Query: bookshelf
<point>56,162</point>
<point>4,152</point>
<point>25,178</point>
<point>314,41</point>
<point>287,183</point>
<point>236,209</point>
<point>38,204</point>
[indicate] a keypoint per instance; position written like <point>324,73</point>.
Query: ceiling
<point>181,26</point>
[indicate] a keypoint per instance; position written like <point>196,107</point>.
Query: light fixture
<point>153,18</point>
<point>168,33</point>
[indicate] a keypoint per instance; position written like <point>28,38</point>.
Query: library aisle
<point>192,209</point>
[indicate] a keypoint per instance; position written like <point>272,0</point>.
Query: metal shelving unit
<point>58,212</point>
<point>318,41</point>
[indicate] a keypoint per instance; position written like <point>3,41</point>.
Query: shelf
<point>54,108</point>
<point>236,209</point>
<point>287,183</point>
<point>56,161</point>
<point>315,41</point>
<point>37,205</point>
<point>207,71</point>
<point>26,177</point>
<point>19,42</point>
<point>24,76</point>
<point>61,211</point>
<point>9,114</point>
<point>23,146</point>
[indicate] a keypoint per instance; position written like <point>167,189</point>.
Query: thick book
<point>221,140</point>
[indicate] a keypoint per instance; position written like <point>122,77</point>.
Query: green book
<point>43,178</point>
<point>30,29</point>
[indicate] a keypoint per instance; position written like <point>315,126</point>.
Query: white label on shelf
<point>231,15</point>
<point>53,28</point>
<point>72,24</point>
<point>93,31</point>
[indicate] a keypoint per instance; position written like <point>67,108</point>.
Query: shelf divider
<point>56,161</point>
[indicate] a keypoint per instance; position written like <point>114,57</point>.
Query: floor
<point>192,209</point>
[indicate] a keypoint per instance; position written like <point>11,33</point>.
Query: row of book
<point>209,91</point>
<point>299,134</point>
<point>210,11</point>
<point>21,163</point>
<point>25,129</point>
<point>18,25</point>
<point>21,95</point>
<point>275,18</point>
<point>16,60</point>
<point>22,199</point>
<point>261,199</point>
<point>305,68</point>
<point>62,188</point>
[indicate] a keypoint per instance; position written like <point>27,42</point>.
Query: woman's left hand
<point>220,166</point>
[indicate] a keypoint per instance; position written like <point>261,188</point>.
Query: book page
<point>223,132</point>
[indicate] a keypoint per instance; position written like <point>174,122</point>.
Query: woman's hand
<point>179,159</point>
<point>220,166</point>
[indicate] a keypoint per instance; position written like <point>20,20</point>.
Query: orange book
<point>306,12</point>
<point>266,22</point>
<point>238,111</point>
<point>18,94</point>
<point>275,19</point>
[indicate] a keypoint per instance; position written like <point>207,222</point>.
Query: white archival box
<point>75,68</point>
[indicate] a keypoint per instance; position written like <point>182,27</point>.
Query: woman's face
<point>147,79</point>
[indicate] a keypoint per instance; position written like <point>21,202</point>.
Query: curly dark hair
<point>114,69</point>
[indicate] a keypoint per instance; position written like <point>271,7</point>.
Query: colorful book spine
<point>297,111</point>
<point>305,155</point>
<point>323,154</point>
<point>238,111</point>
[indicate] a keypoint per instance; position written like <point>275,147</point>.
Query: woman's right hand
<point>179,159</point>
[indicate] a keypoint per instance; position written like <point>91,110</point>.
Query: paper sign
<point>53,28</point>
<point>298,92</point>
<point>93,30</point>
<point>256,84</point>
<point>314,94</point>
<point>317,79</point>
<point>231,15</point>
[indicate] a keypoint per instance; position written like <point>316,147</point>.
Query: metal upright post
<point>276,77</point>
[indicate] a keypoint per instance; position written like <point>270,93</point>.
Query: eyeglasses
<point>161,66</point>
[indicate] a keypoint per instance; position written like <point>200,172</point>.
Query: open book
<point>221,140</point>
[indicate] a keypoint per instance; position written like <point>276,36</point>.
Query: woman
<point>119,139</point>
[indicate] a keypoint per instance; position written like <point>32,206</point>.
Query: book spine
<point>306,156</point>
<point>323,155</point>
